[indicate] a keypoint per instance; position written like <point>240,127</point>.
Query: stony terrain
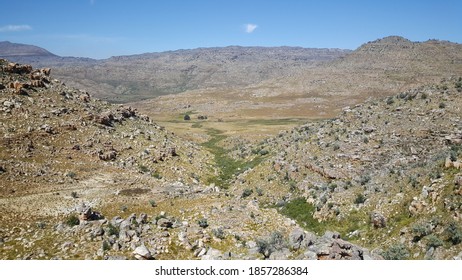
<point>376,69</point>
<point>132,78</point>
<point>83,179</point>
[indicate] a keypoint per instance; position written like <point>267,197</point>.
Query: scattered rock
<point>142,253</point>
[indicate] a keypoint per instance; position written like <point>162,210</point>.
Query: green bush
<point>267,246</point>
<point>219,233</point>
<point>454,233</point>
<point>421,230</point>
<point>360,199</point>
<point>396,252</point>
<point>433,241</point>
<point>106,246</point>
<point>364,179</point>
<point>203,223</point>
<point>143,169</point>
<point>246,193</point>
<point>390,100</point>
<point>112,230</point>
<point>72,220</point>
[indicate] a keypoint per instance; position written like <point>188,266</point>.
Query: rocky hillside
<point>386,173</point>
<point>376,69</point>
<point>131,78</point>
<point>83,179</point>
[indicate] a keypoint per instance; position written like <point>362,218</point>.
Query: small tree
<point>187,117</point>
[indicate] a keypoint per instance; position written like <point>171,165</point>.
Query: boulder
<point>296,238</point>
<point>164,223</point>
<point>378,220</point>
<point>142,253</point>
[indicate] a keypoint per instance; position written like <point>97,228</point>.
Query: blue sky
<point>103,28</point>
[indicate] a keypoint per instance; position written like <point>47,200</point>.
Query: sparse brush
<point>396,252</point>
<point>203,223</point>
<point>72,220</point>
<point>246,193</point>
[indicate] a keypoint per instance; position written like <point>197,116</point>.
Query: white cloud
<point>250,27</point>
<point>15,28</point>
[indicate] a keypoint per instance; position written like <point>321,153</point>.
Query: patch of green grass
<point>274,121</point>
<point>302,212</point>
<point>228,167</point>
<point>196,125</point>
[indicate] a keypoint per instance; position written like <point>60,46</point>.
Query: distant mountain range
<point>135,77</point>
<point>379,68</point>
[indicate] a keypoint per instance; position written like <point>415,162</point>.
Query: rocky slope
<point>83,179</point>
<point>136,77</point>
<point>376,69</point>
<point>385,173</point>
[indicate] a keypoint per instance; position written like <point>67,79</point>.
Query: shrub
<point>433,241</point>
<point>143,169</point>
<point>106,246</point>
<point>41,225</point>
<point>360,199</point>
<point>219,233</point>
<point>454,233</point>
<point>72,221</point>
<point>203,223</point>
<point>421,230</point>
<point>442,105</point>
<point>246,193</point>
<point>112,230</point>
<point>396,252</point>
<point>268,246</point>
<point>259,192</point>
<point>364,179</point>
<point>453,156</point>
<point>153,203</point>
<point>390,100</point>
<point>186,117</point>
<point>74,194</point>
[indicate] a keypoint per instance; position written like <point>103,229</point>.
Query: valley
<point>234,153</point>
